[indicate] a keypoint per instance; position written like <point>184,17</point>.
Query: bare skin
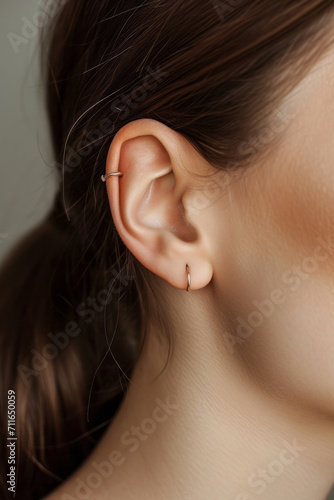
<point>245,406</point>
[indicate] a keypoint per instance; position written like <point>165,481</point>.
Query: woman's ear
<point>151,202</point>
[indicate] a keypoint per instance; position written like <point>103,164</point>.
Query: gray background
<point>27,181</point>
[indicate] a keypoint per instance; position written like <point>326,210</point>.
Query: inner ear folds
<point>150,187</point>
<point>161,208</point>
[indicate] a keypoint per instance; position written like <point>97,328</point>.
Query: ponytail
<point>51,329</point>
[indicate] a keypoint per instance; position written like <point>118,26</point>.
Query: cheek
<point>301,208</point>
<point>301,180</point>
<point>283,271</point>
<point>277,275</point>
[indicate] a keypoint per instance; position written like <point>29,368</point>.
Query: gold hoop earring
<point>188,278</point>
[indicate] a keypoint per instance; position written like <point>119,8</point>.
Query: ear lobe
<point>147,202</point>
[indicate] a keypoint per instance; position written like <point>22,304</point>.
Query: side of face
<point>276,275</point>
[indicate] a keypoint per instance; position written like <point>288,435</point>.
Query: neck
<point>205,427</point>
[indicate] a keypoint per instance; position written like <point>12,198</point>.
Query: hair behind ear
<point>51,343</point>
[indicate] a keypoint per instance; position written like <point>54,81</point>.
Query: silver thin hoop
<point>105,177</point>
<point>188,278</point>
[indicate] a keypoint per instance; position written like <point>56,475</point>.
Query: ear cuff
<point>105,177</point>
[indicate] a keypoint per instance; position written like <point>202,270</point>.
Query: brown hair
<point>74,299</point>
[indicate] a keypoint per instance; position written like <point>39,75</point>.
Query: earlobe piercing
<point>188,278</point>
<point>105,177</point>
